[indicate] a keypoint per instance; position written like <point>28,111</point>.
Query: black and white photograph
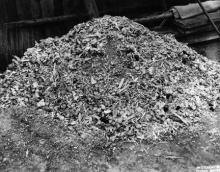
<point>109,85</point>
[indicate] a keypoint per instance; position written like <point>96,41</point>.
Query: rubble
<point>113,75</point>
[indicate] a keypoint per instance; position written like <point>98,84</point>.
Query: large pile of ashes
<point>114,75</point>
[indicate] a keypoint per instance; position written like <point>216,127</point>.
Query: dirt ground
<point>35,142</point>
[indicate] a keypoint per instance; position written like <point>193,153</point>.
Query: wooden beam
<point>151,18</point>
<point>92,8</point>
<point>23,23</point>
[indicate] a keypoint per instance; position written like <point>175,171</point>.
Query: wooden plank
<point>37,34</point>
<point>13,42</point>
<point>2,49</point>
<point>25,41</point>
<point>58,7</point>
<point>23,9</point>
<point>16,41</point>
<point>200,29</point>
<point>32,37</point>
<point>19,41</point>
<point>11,10</point>
<point>42,21</point>
<point>92,8</point>
<point>3,11</point>
<point>36,11</point>
<point>2,39</point>
<point>10,41</point>
<point>68,6</point>
<point>47,7</point>
<point>4,45</point>
<point>199,38</point>
<point>198,21</point>
<point>151,18</point>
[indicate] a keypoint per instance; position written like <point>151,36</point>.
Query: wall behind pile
<point>22,22</point>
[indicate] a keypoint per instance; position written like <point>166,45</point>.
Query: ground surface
<point>34,142</point>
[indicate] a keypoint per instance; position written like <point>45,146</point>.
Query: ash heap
<point>113,75</point>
